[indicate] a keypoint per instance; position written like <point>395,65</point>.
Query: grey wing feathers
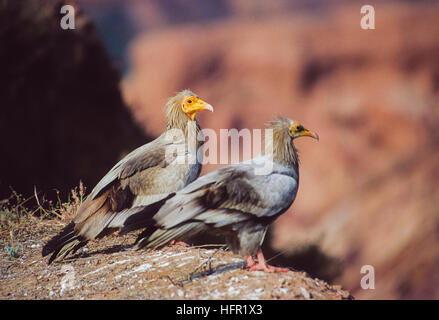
<point>237,188</point>
<point>234,194</point>
<point>221,199</point>
<point>148,155</point>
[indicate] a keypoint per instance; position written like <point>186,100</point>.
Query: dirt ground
<point>109,269</point>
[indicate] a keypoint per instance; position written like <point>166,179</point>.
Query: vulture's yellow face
<point>192,104</point>
<point>297,130</point>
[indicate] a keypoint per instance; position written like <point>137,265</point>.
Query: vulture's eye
<point>189,101</point>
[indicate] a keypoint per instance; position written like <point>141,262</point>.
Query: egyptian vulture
<point>237,201</point>
<point>146,175</point>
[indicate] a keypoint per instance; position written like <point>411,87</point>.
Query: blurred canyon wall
<point>369,193</point>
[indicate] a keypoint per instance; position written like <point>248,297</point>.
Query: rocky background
<point>62,115</point>
<point>369,193</point>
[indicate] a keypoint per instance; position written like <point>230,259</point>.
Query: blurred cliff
<point>369,193</point>
<point>62,116</point>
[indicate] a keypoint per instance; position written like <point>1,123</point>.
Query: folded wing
<point>224,199</point>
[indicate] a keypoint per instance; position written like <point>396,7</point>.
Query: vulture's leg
<point>179,243</point>
<point>262,264</point>
<point>250,262</point>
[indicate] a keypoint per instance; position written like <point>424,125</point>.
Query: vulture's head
<point>285,128</point>
<point>296,130</point>
<point>188,103</point>
<point>285,131</point>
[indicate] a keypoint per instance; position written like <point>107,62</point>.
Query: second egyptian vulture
<point>237,201</point>
<point>146,175</point>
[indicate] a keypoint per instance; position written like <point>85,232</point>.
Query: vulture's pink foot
<point>179,243</point>
<point>262,264</point>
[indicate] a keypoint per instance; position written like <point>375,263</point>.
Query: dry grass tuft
<point>17,213</point>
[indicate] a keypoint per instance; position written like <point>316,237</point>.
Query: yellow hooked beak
<point>297,130</point>
<point>308,133</point>
<point>198,105</point>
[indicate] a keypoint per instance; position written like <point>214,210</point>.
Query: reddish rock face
<point>369,193</point>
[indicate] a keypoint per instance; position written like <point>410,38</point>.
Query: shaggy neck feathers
<point>284,151</point>
<point>177,119</point>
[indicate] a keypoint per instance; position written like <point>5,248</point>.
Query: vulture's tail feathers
<point>65,250</point>
<point>155,238</point>
<point>176,220</point>
<point>141,217</point>
<point>63,244</point>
